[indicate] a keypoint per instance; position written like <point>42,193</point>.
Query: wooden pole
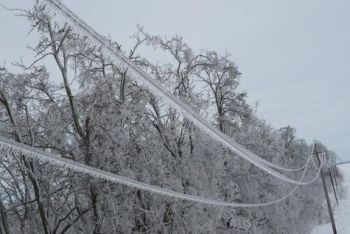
<point>335,193</point>
<point>335,174</point>
<point>336,170</point>
<point>326,192</point>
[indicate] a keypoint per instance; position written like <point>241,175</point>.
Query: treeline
<point>93,113</point>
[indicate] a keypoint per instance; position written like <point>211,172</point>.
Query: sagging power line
<point>62,13</point>
<point>7,145</point>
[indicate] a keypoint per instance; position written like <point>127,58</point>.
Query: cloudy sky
<point>294,56</point>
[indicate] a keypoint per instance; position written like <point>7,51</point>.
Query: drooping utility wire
<point>7,145</point>
<point>56,9</point>
<point>269,164</point>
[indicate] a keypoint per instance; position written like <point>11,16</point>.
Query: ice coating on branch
<point>65,16</point>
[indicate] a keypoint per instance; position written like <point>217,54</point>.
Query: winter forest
<point>94,113</point>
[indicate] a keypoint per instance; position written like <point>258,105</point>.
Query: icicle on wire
<point>7,146</point>
<point>56,9</point>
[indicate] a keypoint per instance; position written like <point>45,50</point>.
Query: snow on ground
<point>342,212</point>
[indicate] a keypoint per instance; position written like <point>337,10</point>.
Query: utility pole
<point>326,191</point>
<point>334,191</point>
<point>335,173</point>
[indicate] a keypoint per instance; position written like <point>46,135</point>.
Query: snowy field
<point>342,212</point>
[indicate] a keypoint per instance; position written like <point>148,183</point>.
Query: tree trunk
<point>5,226</point>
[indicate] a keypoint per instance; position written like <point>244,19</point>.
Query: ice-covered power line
<point>344,162</point>
<point>60,12</point>
<point>7,146</point>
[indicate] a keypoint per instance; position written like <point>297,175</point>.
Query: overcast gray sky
<point>294,56</point>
